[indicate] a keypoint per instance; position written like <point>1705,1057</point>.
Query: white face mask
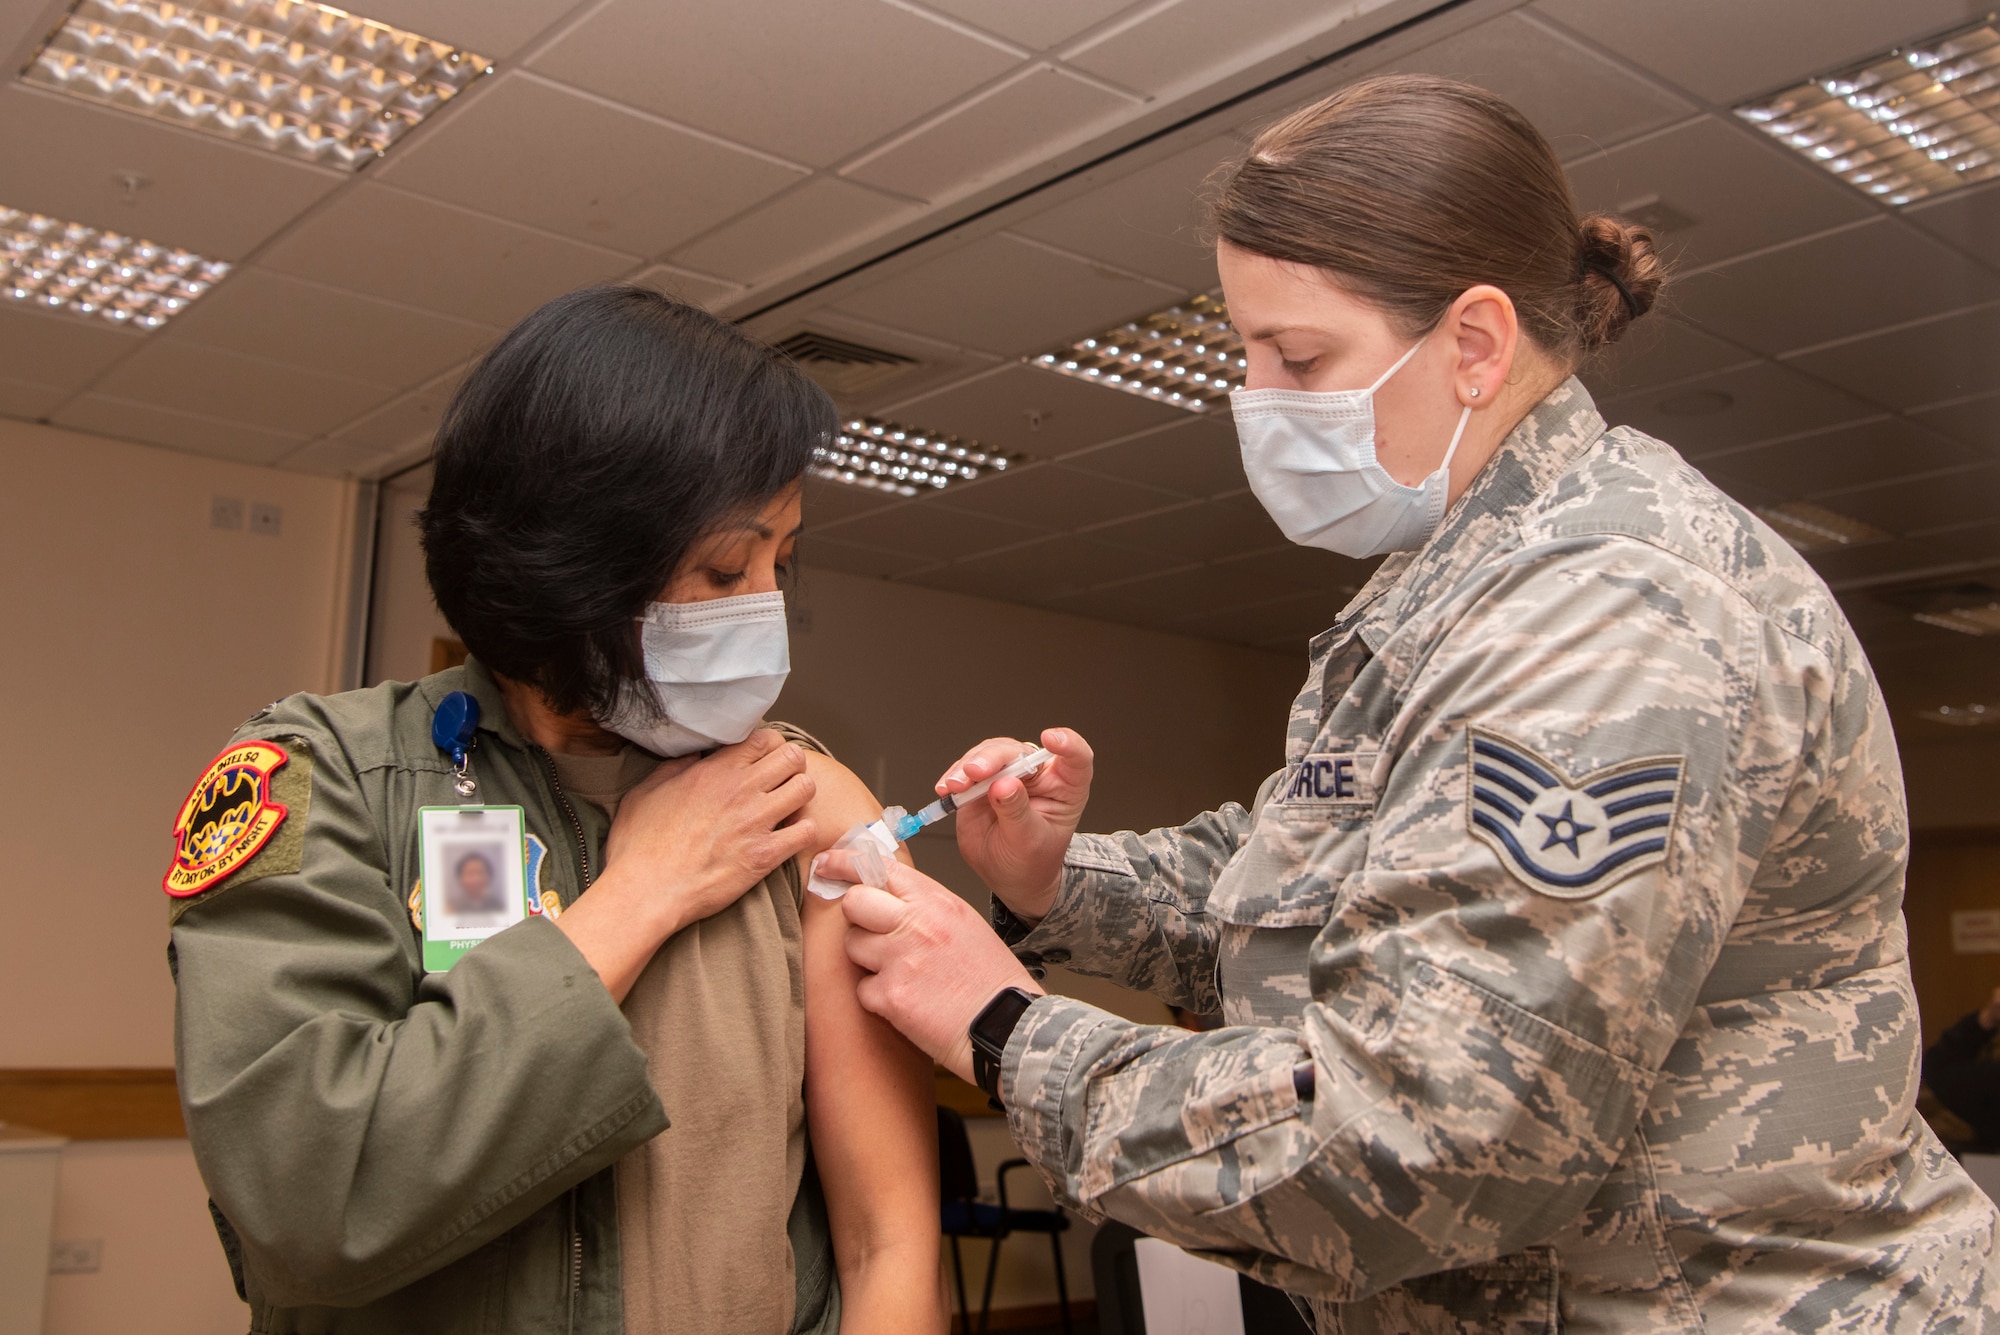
<point>713,667</point>
<point>1311,460</point>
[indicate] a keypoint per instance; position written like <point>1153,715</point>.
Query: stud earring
<point>1475,391</point>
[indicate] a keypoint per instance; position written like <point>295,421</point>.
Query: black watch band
<point>990,1032</point>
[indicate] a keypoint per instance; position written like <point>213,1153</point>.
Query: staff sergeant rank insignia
<point>226,819</point>
<point>1570,838</point>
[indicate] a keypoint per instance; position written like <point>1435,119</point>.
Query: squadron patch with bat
<point>231,815</point>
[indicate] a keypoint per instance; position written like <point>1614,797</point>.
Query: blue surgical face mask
<point>712,669</point>
<point>1310,458</point>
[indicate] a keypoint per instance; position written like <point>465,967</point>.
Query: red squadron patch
<point>227,817</point>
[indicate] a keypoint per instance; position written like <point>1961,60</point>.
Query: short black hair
<point>582,458</point>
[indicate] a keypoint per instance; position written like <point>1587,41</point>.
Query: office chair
<point>964,1215</point>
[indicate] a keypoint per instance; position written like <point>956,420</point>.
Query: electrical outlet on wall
<point>225,512</point>
<point>76,1256</point>
<point>266,519</point>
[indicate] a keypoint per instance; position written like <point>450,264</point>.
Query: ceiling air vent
<point>1971,608</point>
<point>842,367</point>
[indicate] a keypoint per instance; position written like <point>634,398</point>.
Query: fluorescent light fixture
<point>1972,620</point>
<point>63,266</point>
<point>305,80</point>
<point>1962,716</point>
<point>1912,123</point>
<point>1812,528</point>
<point>1187,355</point>
<point>902,460</point>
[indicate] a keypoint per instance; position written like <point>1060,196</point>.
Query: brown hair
<point>1410,189</point>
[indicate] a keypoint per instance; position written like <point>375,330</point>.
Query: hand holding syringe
<point>871,844</point>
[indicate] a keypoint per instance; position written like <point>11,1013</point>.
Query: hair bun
<point>1621,275</point>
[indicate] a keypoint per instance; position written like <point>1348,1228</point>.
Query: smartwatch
<point>990,1032</point>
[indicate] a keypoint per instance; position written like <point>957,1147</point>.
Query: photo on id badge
<point>475,858</point>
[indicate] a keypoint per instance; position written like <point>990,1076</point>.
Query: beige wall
<point>139,637</point>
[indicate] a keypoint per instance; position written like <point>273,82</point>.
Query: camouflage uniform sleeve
<point>359,1123</point>
<point>1131,909</point>
<point>1479,1043</point>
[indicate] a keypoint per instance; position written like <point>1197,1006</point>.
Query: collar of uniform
<point>477,682</point>
<point>1534,455</point>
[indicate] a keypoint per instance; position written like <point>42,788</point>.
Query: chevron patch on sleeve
<point>1570,837</point>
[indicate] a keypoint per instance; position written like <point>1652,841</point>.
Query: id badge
<point>475,877</point>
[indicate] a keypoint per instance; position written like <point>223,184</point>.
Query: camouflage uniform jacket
<point>1563,961</point>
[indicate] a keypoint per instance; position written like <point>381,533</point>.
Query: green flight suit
<point>394,1151</point>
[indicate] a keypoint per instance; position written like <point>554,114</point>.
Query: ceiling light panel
<point>902,460</point>
<point>1188,355</point>
<point>1963,716</point>
<point>1914,123</point>
<point>1813,528</point>
<point>304,80</point>
<point>64,266</point>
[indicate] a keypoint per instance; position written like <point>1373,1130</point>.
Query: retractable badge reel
<point>454,729</point>
<point>473,858</point>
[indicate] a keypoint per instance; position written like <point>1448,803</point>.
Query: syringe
<point>873,843</point>
<point>908,823</point>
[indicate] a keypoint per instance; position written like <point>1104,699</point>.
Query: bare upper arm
<point>841,802</point>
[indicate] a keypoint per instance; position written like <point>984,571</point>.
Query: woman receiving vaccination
<point>409,1127</point>
<point>1562,960</point>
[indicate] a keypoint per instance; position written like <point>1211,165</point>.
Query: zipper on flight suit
<point>548,765</point>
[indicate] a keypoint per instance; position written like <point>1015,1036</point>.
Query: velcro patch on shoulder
<point>243,820</point>
<point>1570,837</point>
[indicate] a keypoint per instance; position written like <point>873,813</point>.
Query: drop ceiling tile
<point>1880,273</point>
<point>1976,422</point>
<point>324,329</point>
<point>693,288</point>
<point>1148,221</point>
<point>933,363</point>
<point>1975,542</point>
<point>1740,407</point>
<point>1946,358</point>
<point>815,83</point>
<point>1916,505</point>
<point>558,159</point>
<point>1575,97</point>
<point>824,214</point>
<point>1845,457</point>
<point>1051,496</point>
<point>1310,568</point>
<point>19,398</point>
<point>178,430</point>
<point>1204,531</point>
<point>1179,42</point>
<point>1036,23</point>
<point>1039,413</point>
<point>1725,50</point>
<point>495,31</point>
<point>1023,120</point>
<point>1038,573</point>
<point>924,531</point>
<point>1877,560</point>
<point>1659,351</point>
<point>386,243</point>
<point>1005,296</point>
<point>1742,190</point>
<point>829,502</point>
<point>849,558</point>
<point>1968,219</point>
<point>1197,458</point>
<point>209,382</point>
<point>58,349</point>
<point>405,422</point>
<point>62,157</point>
